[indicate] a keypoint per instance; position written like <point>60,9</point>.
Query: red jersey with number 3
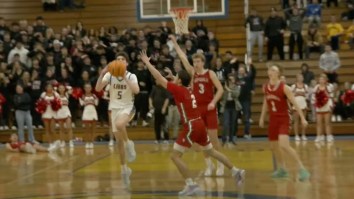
<point>185,101</point>
<point>276,99</point>
<point>203,88</point>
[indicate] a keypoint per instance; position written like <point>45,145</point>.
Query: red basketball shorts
<point>193,132</point>
<point>278,125</point>
<point>210,117</point>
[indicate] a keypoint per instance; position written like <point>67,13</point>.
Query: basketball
<point>117,68</point>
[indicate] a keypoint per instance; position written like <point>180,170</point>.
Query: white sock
<point>234,169</point>
<point>208,162</point>
<point>124,168</point>
<point>189,181</point>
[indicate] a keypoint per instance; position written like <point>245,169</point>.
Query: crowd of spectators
<point>301,24</point>
<point>36,55</point>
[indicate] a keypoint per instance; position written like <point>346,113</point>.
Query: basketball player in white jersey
<point>121,92</point>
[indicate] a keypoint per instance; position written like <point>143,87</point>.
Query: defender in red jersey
<point>205,83</point>
<point>275,102</point>
<point>194,130</point>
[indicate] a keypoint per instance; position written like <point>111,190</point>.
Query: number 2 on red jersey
<point>194,101</point>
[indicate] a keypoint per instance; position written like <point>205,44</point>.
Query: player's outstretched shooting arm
<point>155,73</point>
<point>182,56</point>
<point>100,84</point>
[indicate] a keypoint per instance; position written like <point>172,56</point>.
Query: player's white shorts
<point>116,113</point>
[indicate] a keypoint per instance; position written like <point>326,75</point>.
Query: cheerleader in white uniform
<point>106,97</point>
<point>322,99</point>
<point>89,115</point>
<point>300,91</point>
<point>49,115</point>
<point>63,116</point>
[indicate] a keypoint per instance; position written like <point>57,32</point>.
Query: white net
<point>180,18</point>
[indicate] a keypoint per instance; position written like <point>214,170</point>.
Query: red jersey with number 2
<point>185,101</point>
<point>203,88</point>
<point>276,99</point>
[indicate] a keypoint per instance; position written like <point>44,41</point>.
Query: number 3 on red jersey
<point>201,88</point>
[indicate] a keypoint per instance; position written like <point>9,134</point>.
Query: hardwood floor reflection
<point>81,173</point>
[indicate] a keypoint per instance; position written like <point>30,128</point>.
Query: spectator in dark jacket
<point>159,99</point>
<point>245,79</point>
<point>295,28</point>
<point>22,105</point>
<point>308,75</point>
<point>141,101</point>
<point>274,30</point>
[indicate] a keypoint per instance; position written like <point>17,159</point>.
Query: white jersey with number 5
<point>120,94</point>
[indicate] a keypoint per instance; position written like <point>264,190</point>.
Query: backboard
<point>154,10</point>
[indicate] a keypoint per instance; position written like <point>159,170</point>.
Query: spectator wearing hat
<point>56,50</point>
<point>274,30</point>
<point>313,41</point>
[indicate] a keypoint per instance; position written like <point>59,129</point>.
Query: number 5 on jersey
<point>119,94</point>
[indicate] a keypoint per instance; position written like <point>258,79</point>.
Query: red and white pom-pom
<point>321,99</point>
<point>99,94</point>
<point>348,97</point>
<point>2,99</point>
<point>77,93</point>
<point>41,105</point>
<point>55,104</point>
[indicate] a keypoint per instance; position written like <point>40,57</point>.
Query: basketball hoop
<point>180,18</point>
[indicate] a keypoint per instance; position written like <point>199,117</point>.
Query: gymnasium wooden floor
<point>95,173</point>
